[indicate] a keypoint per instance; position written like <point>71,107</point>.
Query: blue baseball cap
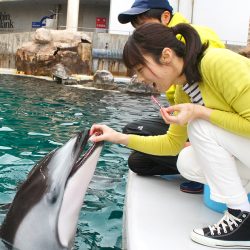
<point>141,6</point>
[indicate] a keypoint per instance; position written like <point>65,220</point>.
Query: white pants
<point>218,158</point>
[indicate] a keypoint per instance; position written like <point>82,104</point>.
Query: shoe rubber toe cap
<point>198,231</point>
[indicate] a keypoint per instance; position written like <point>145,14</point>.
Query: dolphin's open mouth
<point>85,156</point>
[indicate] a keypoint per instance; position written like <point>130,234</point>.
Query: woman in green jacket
<point>212,108</point>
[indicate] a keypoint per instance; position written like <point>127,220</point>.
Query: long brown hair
<point>152,38</point>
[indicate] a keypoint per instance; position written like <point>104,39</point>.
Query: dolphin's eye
<point>52,196</point>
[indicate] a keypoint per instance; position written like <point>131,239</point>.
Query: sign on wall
<point>101,23</point>
<point>5,21</point>
<point>43,21</point>
<point>37,24</point>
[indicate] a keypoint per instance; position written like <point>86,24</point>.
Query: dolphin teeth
<point>84,157</point>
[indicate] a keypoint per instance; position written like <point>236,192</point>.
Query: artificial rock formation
<point>103,79</point>
<point>137,87</point>
<point>245,52</point>
<point>51,47</point>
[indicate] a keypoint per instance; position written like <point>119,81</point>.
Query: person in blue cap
<point>160,11</point>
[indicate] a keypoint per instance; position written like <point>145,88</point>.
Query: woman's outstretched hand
<point>99,132</point>
<point>185,113</point>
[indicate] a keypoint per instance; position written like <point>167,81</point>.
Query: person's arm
<point>169,144</point>
<point>99,132</point>
<point>229,74</point>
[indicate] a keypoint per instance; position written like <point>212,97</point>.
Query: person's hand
<point>185,113</point>
<point>99,132</point>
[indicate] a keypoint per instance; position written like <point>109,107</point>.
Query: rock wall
<point>51,47</point>
<point>245,52</point>
<point>113,43</point>
<point>8,45</point>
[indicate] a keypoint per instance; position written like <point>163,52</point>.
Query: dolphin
<point>45,209</point>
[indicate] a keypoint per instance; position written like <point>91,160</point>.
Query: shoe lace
<point>228,220</point>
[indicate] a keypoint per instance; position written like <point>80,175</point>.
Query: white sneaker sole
<point>219,243</point>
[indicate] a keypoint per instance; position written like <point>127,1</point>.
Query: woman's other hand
<point>185,113</point>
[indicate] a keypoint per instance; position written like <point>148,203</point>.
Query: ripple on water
<point>38,134</point>
<point>12,160</point>
<point>6,129</point>
<point>55,143</point>
<point>5,148</point>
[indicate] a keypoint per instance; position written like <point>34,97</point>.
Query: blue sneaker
<point>192,187</point>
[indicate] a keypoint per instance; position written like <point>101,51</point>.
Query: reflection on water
<point>37,116</point>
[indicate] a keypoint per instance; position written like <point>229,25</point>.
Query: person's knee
<point>133,164</point>
<point>185,163</point>
<point>182,163</point>
<point>188,165</point>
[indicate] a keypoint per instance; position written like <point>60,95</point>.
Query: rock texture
<point>137,87</point>
<point>245,52</point>
<point>48,48</point>
<point>103,79</point>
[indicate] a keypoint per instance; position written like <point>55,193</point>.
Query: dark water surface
<point>37,116</point>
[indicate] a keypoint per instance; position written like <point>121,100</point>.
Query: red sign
<point>101,22</point>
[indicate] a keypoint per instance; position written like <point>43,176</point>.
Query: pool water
<point>37,116</point>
